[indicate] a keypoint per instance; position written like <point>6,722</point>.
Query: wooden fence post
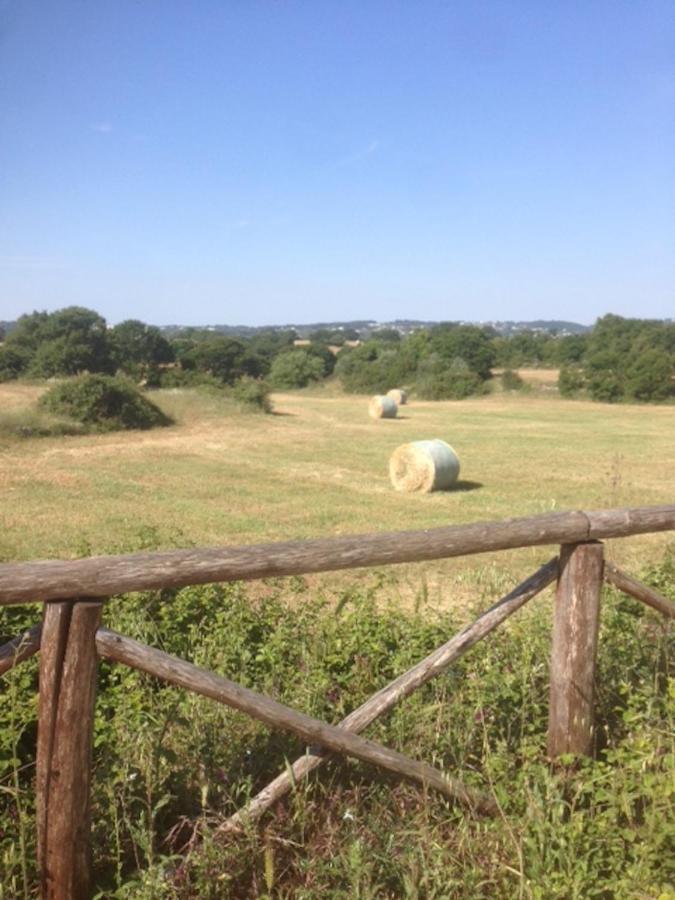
<point>575,638</point>
<point>68,667</point>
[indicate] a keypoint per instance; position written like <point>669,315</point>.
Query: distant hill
<point>368,327</point>
<point>365,327</point>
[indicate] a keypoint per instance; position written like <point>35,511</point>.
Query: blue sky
<point>249,162</point>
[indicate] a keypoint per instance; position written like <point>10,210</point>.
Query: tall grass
<point>170,766</point>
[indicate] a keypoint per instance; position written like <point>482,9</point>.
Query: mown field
<point>319,467</point>
<point>169,767</point>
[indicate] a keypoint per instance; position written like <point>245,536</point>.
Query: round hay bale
<point>399,395</point>
<point>424,466</point>
<point>382,407</point>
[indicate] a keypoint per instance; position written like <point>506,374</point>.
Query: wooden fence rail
<point>104,576</point>
<point>71,641</point>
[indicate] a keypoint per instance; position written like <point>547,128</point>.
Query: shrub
<point>103,403</point>
<point>439,380</point>
<point>178,377</point>
<point>295,369</point>
<point>252,394</point>
<point>327,357</point>
<point>374,367</point>
<point>12,363</point>
<point>649,377</point>
<point>570,381</point>
<point>511,381</point>
<point>607,387</point>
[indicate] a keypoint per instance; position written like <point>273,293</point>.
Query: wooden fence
<point>71,641</point>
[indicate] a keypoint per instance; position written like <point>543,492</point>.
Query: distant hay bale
<point>399,395</point>
<point>424,466</point>
<point>382,407</point>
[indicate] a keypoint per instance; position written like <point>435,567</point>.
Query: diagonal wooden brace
<point>639,591</point>
<point>402,687</point>
<point>118,648</point>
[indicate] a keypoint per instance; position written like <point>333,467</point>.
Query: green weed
<point>169,766</point>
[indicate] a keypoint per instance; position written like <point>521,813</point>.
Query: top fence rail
<point>106,576</point>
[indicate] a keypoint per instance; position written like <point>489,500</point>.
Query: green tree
<point>12,363</point>
<point>469,343</point>
<point>649,378</point>
<point>138,347</point>
<point>327,357</point>
<point>76,341</point>
<point>604,374</point>
<point>65,342</point>
<point>387,334</point>
<point>438,379</point>
<point>525,348</point>
<point>372,368</point>
<point>570,381</point>
<point>270,342</point>
<point>226,359</point>
<point>569,350</point>
<point>295,369</point>
<point>630,359</point>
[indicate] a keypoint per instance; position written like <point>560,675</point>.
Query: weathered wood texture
<point>118,648</point>
<point>68,665</point>
<point>55,625</point>
<point>106,575</point>
<point>402,687</point>
<point>629,585</point>
<point>575,637</point>
<point>20,648</point>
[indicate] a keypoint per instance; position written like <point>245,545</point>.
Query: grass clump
<point>30,423</point>
<point>103,403</point>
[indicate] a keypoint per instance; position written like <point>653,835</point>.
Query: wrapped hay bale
<point>399,395</point>
<point>382,407</point>
<point>424,466</point>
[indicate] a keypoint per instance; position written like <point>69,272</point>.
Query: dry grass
<point>319,467</point>
<point>539,376</point>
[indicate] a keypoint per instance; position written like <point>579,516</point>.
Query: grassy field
<point>318,467</point>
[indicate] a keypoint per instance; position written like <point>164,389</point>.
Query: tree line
<point>618,359</point>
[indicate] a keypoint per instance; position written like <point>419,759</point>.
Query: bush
<point>649,378</point>
<point>607,387</point>
<point>511,381</point>
<point>570,381</point>
<point>12,363</point>
<point>438,380</point>
<point>252,394</point>
<point>177,377</point>
<point>295,369</point>
<point>103,403</point>
<point>373,367</point>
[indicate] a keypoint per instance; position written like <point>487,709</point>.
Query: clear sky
<point>250,162</point>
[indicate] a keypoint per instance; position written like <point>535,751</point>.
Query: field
<point>318,467</point>
<point>168,766</point>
